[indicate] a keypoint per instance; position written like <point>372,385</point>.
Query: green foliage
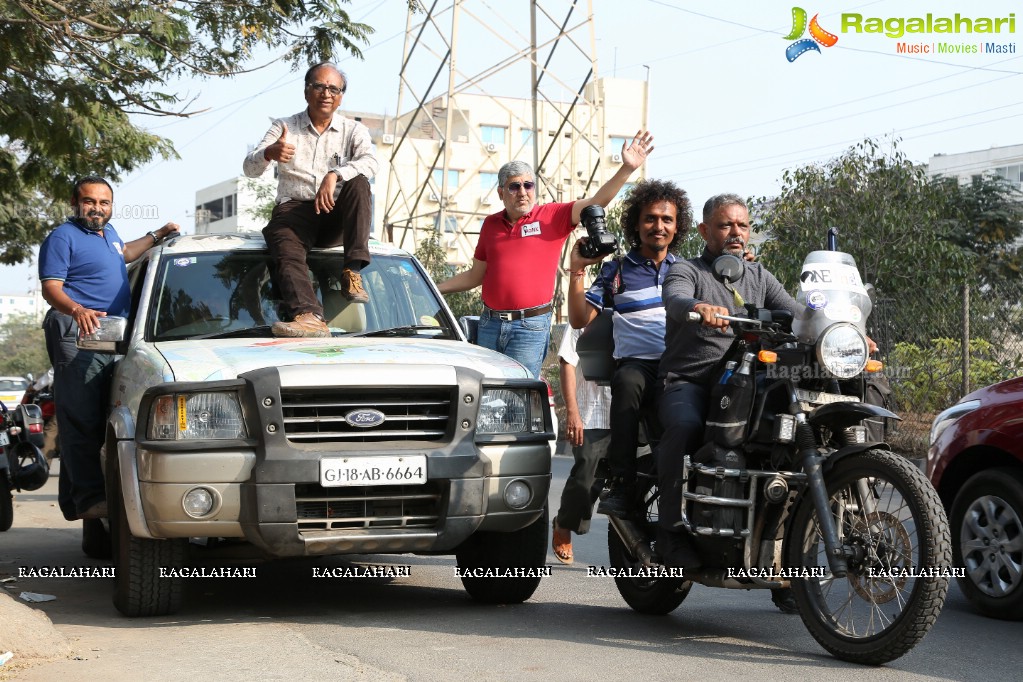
<point>73,72</point>
<point>431,254</point>
<point>929,378</point>
<point>22,347</point>
<point>266,195</point>
<point>984,218</point>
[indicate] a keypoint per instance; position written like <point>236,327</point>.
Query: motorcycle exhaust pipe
<point>634,540</point>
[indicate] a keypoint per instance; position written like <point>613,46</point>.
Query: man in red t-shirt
<point>517,257</point>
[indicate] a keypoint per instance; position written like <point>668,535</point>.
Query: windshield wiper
<point>261,330</point>
<point>406,330</point>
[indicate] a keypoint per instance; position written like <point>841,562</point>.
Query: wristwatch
<point>156,240</point>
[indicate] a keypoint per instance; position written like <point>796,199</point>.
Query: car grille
<point>318,416</point>
<point>392,506</point>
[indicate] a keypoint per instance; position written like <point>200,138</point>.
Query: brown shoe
<point>351,287</point>
<point>304,324</point>
<point>96,511</point>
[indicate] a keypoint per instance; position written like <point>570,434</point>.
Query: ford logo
<point>365,419</point>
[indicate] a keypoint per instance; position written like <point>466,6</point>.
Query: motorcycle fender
<point>840,454</point>
<point>837,416</point>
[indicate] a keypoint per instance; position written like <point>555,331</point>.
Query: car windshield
<point>211,295</point>
<point>13,384</point>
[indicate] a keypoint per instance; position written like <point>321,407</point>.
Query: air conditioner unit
<point>616,158</point>
<point>387,138</point>
<point>485,201</point>
<point>490,147</point>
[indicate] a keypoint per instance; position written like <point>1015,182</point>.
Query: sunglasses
<point>516,186</point>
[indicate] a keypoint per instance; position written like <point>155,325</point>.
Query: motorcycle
<point>789,489</point>
<point>22,464</point>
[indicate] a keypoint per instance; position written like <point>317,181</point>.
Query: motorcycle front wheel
<point>892,525</point>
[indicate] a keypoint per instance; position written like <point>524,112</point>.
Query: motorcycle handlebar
<point>696,317</point>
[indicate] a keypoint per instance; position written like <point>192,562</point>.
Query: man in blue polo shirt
<point>83,276</point>
<point>656,217</point>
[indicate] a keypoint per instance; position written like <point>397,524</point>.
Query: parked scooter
<point>22,464</point>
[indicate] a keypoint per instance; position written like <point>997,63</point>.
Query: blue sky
<point>728,111</point>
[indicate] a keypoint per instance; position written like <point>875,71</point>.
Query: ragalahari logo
<point>817,35</point>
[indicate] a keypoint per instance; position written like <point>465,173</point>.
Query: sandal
<point>561,542</point>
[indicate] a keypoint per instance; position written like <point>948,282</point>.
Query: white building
<point>30,305</point>
<point>1006,162</point>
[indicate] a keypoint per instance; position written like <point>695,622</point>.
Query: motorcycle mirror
<point>30,377</point>
<point>728,268</point>
<point>871,293</point>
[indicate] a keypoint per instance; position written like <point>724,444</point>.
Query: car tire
<point>139,590</point>
<point>987,541</point>
<point>521,549</point>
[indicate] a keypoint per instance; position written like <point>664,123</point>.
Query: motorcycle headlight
<point>842,351</point>
<point>510,410</point>
<point>196,416</point>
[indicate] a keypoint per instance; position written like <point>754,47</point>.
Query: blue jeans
<point>81,383</point>
<point>525,340</point>
<point>683,413</point>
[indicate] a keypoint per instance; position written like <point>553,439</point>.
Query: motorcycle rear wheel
<point>651,596</point>
<point>892,595</point>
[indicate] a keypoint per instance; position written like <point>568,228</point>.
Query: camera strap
<point>616,282</point>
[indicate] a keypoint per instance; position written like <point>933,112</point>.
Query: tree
<point>984,218</point>
<point>888,220</point>
<point>431,254</point>
<point>22,347</point>
<point>73,73</point>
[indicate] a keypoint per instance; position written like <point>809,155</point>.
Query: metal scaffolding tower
<point>471,69</point>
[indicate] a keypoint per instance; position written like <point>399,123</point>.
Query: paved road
<point>284,624</point>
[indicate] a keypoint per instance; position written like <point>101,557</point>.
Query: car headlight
<point>949,416</point>
<point>196,416</point>
<point>510,410</point>
<point>842,351</point>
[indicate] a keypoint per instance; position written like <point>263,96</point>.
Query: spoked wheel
<point>649,595</point>
<point>892,525</point>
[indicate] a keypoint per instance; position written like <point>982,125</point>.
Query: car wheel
<point>987,540</point>
<point>522,551</point>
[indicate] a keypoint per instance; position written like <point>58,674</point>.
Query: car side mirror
<point>728,268</point>
<point>107,338</point>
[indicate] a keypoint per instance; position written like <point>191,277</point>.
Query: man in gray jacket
<point>692,351</point>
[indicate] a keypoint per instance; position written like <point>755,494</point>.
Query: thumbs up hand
<point>280,151</point>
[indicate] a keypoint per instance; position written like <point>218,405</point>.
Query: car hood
<point>217,359</point>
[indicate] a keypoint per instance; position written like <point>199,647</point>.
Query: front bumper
<point>269,493</point>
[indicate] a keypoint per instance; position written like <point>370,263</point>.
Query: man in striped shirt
<point>656,217</point>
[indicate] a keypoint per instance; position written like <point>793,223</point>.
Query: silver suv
<point>393,436</point>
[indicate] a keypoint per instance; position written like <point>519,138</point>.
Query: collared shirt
<point>344,146</point>
<point>636,301</point>
<point>593,400</point>
<point>90,264</point>
<point>522,258</point>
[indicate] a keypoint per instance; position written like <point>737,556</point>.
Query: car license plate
<point>7,399</point>
<point>354,471</point>
<point>822,398</point>
<point>4,440</point>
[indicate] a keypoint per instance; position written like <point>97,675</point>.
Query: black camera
<point>601,242</point>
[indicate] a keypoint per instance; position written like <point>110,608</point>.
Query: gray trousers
<point>581,487</point>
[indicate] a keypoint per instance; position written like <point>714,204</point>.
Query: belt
<point>508,315</point>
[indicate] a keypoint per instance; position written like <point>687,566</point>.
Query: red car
<point>976,464</point>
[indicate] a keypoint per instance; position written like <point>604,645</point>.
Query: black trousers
<point>580,493</point>
<point>295,227</point>
<point>683,412</point>
<point>634,388</point>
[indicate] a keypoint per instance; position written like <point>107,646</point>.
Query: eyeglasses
<point>514,187</point>
<point>321,87</point>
